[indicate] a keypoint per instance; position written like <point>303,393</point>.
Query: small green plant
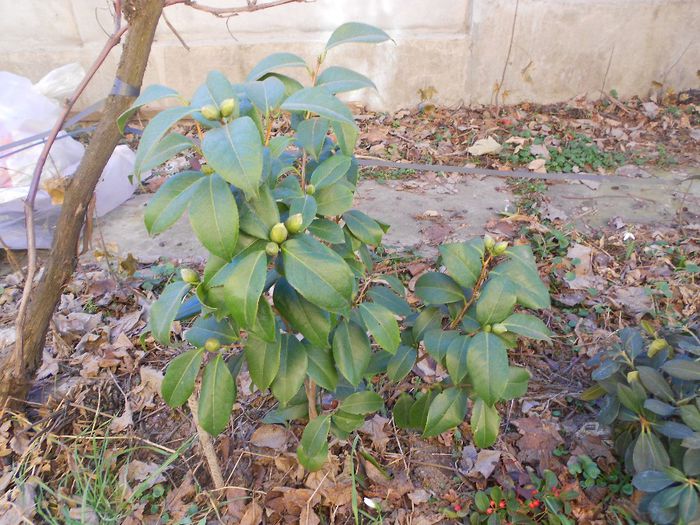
<point>535,501</point>
<point>290,287</point>
<point>649,389</point>
<point>584,467</point>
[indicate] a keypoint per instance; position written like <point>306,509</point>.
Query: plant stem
<point>310,388</point>
<point>475,292</point>
<point>207,448</point>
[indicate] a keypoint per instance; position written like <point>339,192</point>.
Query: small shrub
<point>649,388</point>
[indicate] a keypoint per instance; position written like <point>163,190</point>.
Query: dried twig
<point>505,64</point>
<point>226,12</point>
<point>207,448</point>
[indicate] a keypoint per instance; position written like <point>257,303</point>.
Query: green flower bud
<point>632,376</point>
<point>207,169</point>
<point>310,189</point>
<point>500,248</point>
<point>656,346</point>
<point>489,242</point>
<point>294,222</point>
<point>278,233</point>
<point>488,328</point>
<point>189,276</point>
<point>210,112</point>
<point>499,328</point>
<point>227,107</point>
<point>272,249</point>
<point>212,344</point>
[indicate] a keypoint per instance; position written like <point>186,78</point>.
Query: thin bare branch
<point>172,28</point>
<point>225,12</point>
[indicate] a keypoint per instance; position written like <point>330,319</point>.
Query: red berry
<point>492,503</point>
<point>502,504</point>
<point>489,511</point>
<point>536,503</point>
<point>457,507</point>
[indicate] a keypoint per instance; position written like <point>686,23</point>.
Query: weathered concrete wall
<point>560,49</point>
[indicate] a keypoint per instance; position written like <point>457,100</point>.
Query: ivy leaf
<point>341,79</point>
<point>319,274</point>
<point>319,101</point>
<point>292,370</point>
<point>321,367</point>
<point>242,282</point>
<point>438,288</point>
<point>216,397</point>
<point>263,360</point>
<point>487,362</point>
<point>456,358</point>
<point>314,443</point>
<point>363,227</point>
<point>356,32</point>
<point>485,422</point>
<point>528,326</point>
<point>311,134</point>
<point>164,310</point>
<point>150,94</point>
<point>273,62</point>
<point>351,351</point>
<point>401,363</point>
<point>446,411</point>
<point>153,133</point>
<point>214,216</point>
<point>361,403</point>
<point>178,382</point>
<point>303,316</point>
<point>235,151</point>
<point>170,201</point>
<point>207,327</point>
<point>463,261</point>
<point>266,94</point>
<point>496,301</point>
<point>330,171</point>
<point>382,324</point>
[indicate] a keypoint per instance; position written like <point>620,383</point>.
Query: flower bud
<point>207,169</point>
<point>189,275</point>
<point>272,249</point>
<point>210,112</point>
<point>489,242</point>
<point>656,346</point>
<point>294,222</point>
<point>310,189</point>
<point>227,107</point>
<point>500,248</point>
<point>488,328</point>
<point>499,328</point>
<point>633,376</point>
<point>278,233</point>
<point>212,344</point>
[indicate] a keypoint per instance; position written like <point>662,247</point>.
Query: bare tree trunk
<point>17,368</point>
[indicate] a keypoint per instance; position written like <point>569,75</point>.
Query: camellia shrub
<point>290,287</point>
<point>648,385</point>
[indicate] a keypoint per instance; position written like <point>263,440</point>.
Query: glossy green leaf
<point>209,327</point>
<point>456,358</point>
<point>361,403</point>
<point>659,407</point>
<point>363,227</point>
<point>164,310</point>
<point>214,216</point>
<point>150,94</point>
<point>265,325</point>
<point>674,430</point>
<point>356,32</point>
<point>691,462</point>
<point>649,453</point>
<point>153,133</point>
<point>485,422</point>
<point>401,363</point>
<point>312,463</point>
<point>685,369</point>
<point>429,319</point>
<point>338,79</point>
<point>263,360</point>
<point>327,231</point>
<point>166,149</point>
<point>655,383</point>
<point>651,481</point>
<point>438,288</point>
<point>347,422</point>
<point>319,101</point>
<point>258,216</point>
<point>321,367</point>
<point>496,301</point>
<point>266,94</point>
<point>311,134</point>
<point>314,440</point>
<point>382,324</point>
<point>330,171</point>
<point>691,416</point>
<point>390,300</point>
<point>214,91</point>
<point>273,62</point>
<point>291,85</point>
<point>217,396</point>
<point>292,370</point>
<point>242,282</point>
<point>346,135</point>
<point>307,207</point>
<point>318,273</point>
<point>302,315</point>
<point>528,326</point>
<point>351,351</point>
<point>401,411</point>
<point>334,200</point>
<point>235,151</point>
<point>632,399</point>
<point>447,410</point>
<point>521,270</point>
<point>688,505</point>
<point>418,413</point>
<point>463,261</point>
<point>487,362</point>
<point>518,379</point>
<point>180,376</point>
<point>170,201</point>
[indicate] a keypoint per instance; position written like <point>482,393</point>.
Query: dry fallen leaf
<point>374,428</point>
<point>484,147</point>
<point>308,517</point>
<point>253,514</point>
<point>270,436</point>
<point>121,423</point>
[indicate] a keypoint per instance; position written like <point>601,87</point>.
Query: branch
<point>112,42</point>
<point>226,12</point>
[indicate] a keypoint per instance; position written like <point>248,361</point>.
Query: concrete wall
<point>560,49</point>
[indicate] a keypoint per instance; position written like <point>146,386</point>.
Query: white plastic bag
<point>61,82</point>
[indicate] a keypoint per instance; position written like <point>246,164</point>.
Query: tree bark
<point>17,368</point>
